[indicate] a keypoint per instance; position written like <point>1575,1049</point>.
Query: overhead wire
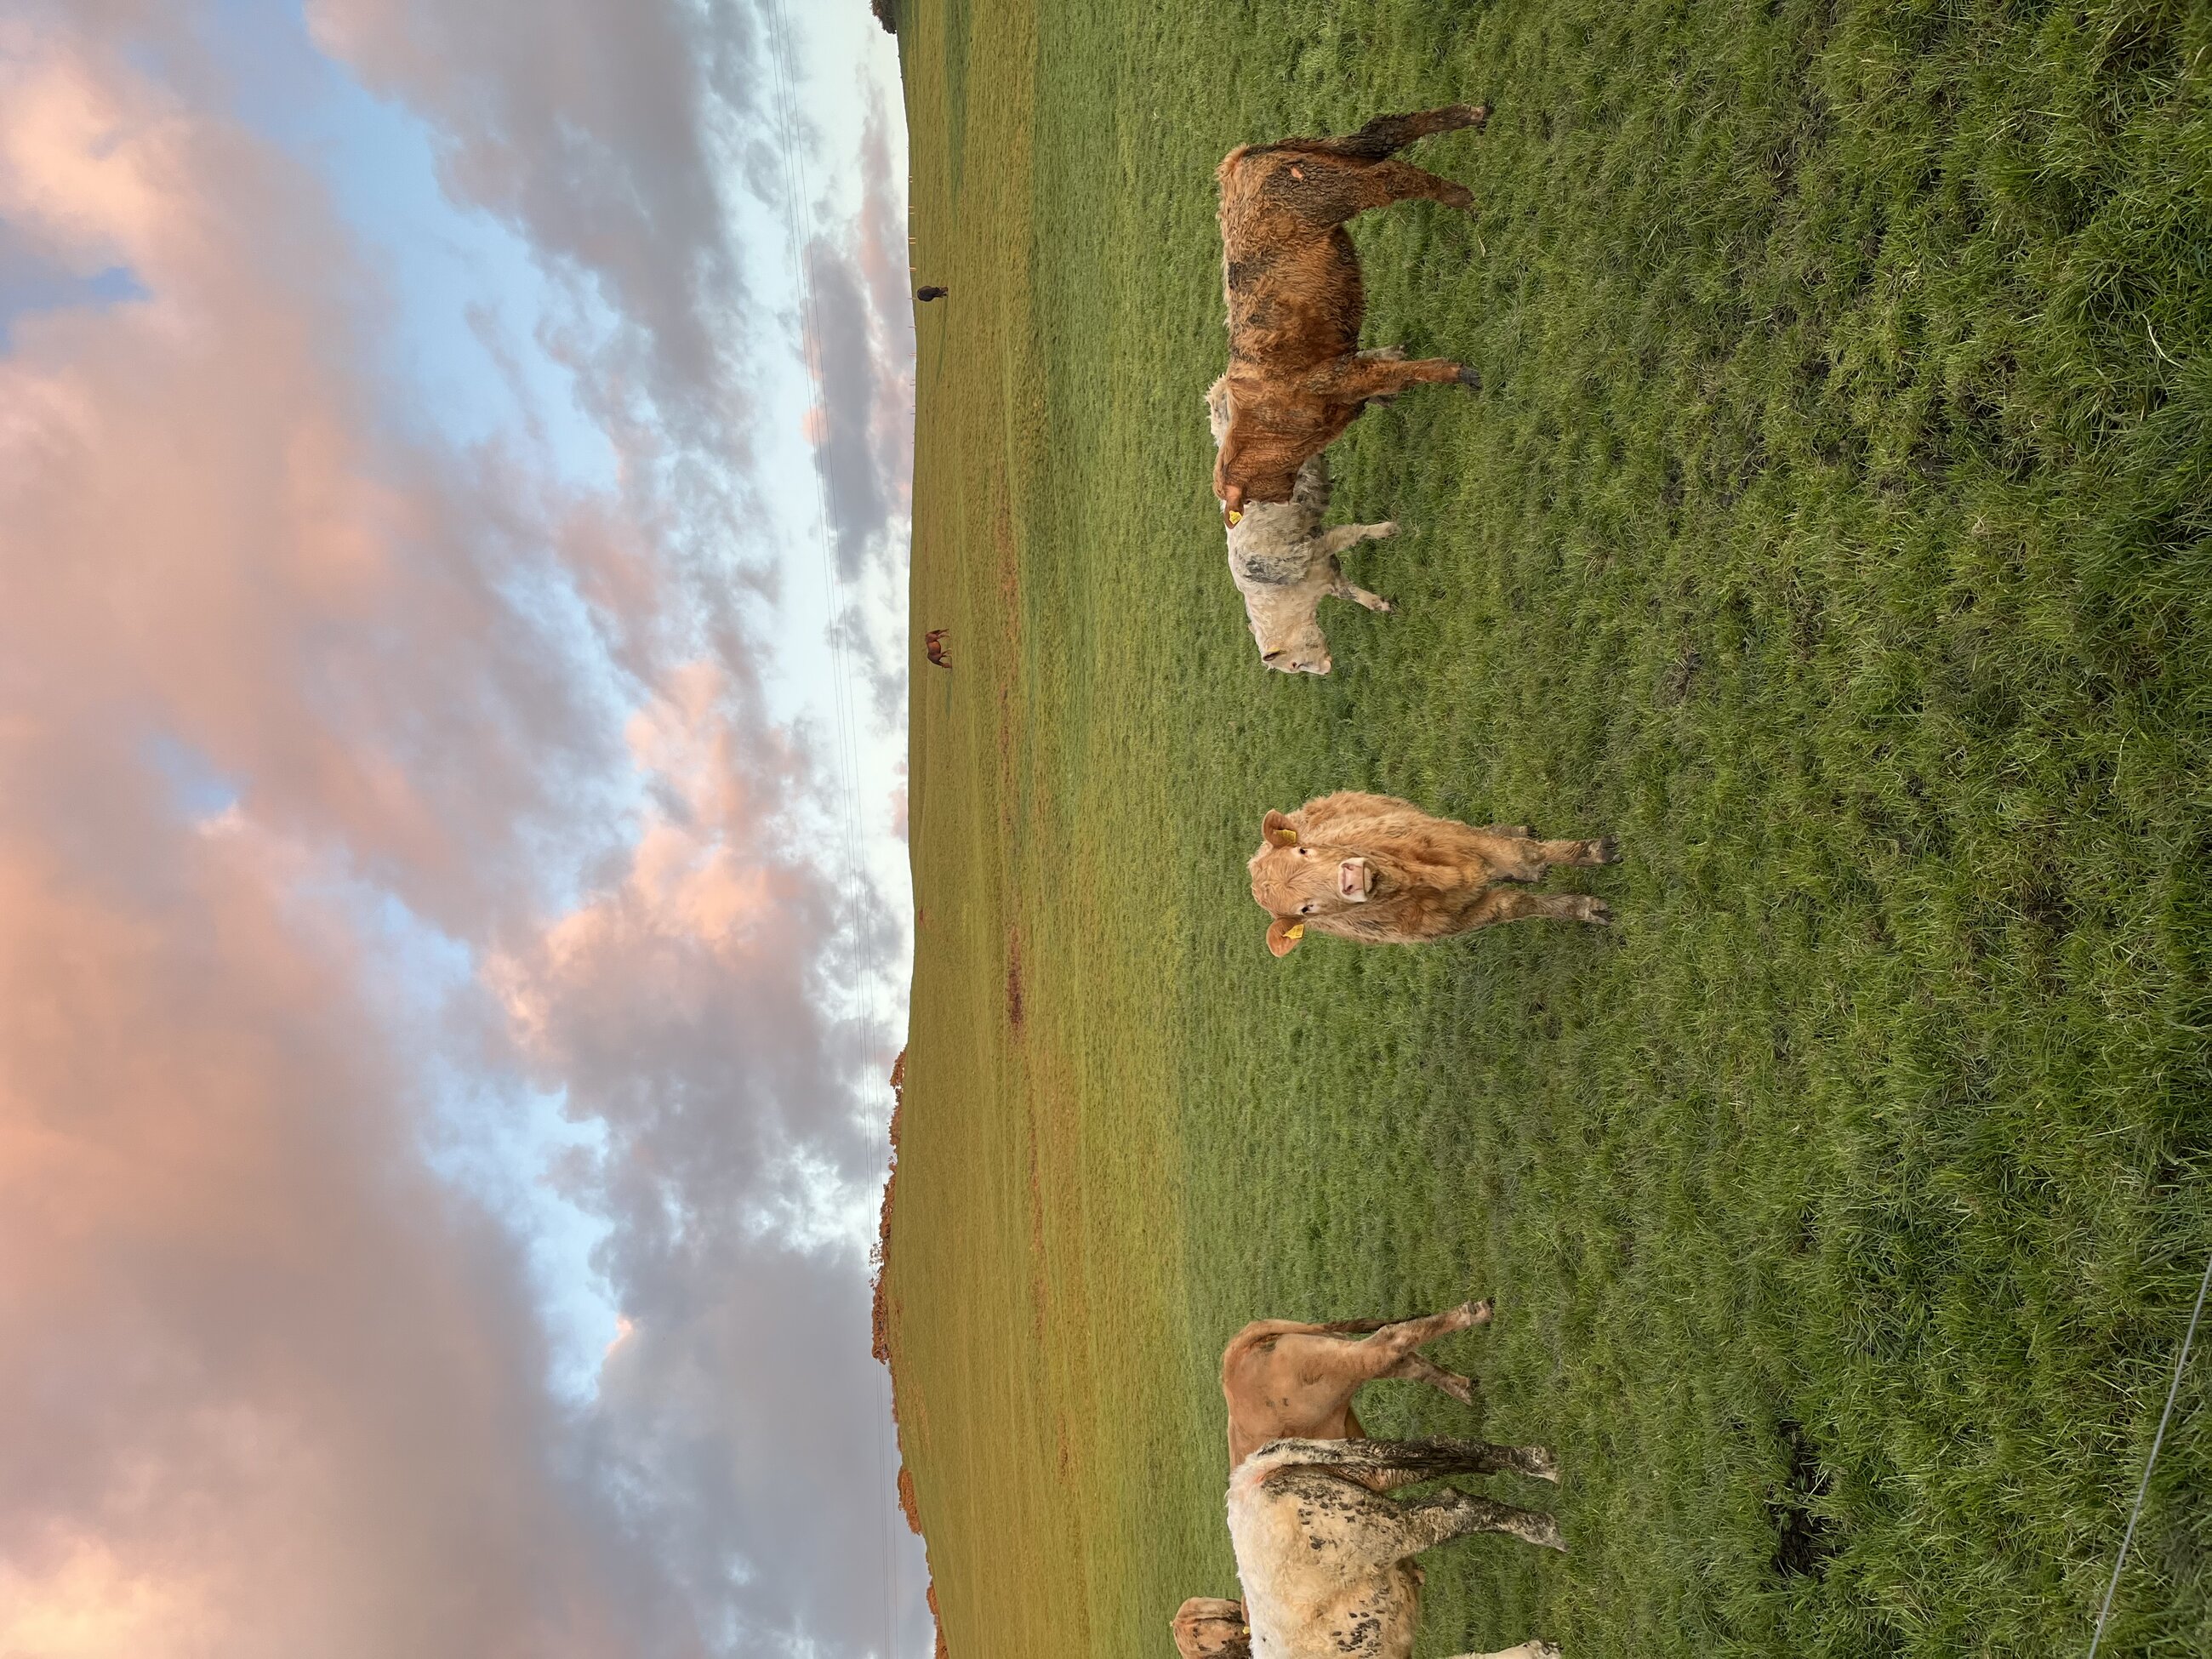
<point>2158,1440</point>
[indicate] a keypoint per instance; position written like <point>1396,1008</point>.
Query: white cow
<point>1285,563</point>
<point>1327,1561</point>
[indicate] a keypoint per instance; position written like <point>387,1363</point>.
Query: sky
<point>454,467</point>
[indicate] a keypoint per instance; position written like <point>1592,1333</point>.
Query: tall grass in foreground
<point>1833,529</point>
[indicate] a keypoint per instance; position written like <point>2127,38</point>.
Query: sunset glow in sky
<point>453,928</point>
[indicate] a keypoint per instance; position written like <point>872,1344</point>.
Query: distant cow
<point>926,295</point>
<point>1383,872</point>
<point>1291,276</point>
<point>1284,563</point>
<point>1283,1380</point>
<point>1326,1560</point>
<point>933,647</point>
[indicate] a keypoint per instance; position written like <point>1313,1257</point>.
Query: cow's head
<point>1300,650</point>
<point>1294,881</point>
<point>1207,1627</point>
<point>1220,411</point>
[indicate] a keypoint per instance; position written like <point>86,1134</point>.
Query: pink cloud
<point>274,1387</point>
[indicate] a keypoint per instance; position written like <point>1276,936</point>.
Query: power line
<point>2157,1440</point>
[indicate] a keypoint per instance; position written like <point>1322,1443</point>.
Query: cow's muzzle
<point>1355,880</point>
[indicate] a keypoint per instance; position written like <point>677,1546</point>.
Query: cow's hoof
<point>1470,377</point>
<point>1545,1533</point>
<point>1459,1388</point>
<point>1607,849</point>
<point>1543,1650</point>
<point>1476,114</point>
<point>1387,528</point>
<point>1542,1465</point>
<point>1475,1313</point>
<point>1596,910</point>
<point>1460,197</point>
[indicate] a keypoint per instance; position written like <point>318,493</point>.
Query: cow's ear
<point>1279,830</point>
<point>1283,936</point>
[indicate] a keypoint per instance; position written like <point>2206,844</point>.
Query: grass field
<point>1833,528</point>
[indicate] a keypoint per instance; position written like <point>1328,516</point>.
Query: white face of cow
<point>1302,651</point>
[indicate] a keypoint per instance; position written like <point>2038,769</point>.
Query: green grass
<point>1833,528</point>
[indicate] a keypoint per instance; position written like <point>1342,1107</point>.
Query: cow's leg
<point>1521,857</point>
<point>1342,585</point>
<point>1353,380</point>
<point>1496,906</point>
<point>1344,538</point>
<point>1383,355</point>
<point>1428,1459</point>
<point>1396,1341</point>
<point>1414,1369</point>
<point>1345,588</point>
<point>1386,135</point>
<point>1428,1522</point>
<point>1585,854</point>
<point>1324,1369</point>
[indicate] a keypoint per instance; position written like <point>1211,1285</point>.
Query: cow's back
<point>1292,286</point>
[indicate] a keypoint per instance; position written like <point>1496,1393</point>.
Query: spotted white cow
<point>1327,1561</point>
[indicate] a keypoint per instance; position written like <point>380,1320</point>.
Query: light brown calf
<point>1287,1381</point>
<point>1383,872</point>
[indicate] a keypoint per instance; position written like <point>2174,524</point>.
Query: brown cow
<point>1287,1381</point>
<point>1291,276</point>
<point>933,648</point>
<point>1383,872</point>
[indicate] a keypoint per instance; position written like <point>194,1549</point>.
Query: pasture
<point>1832,529</point>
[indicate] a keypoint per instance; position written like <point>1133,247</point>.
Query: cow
<point>1290,278</point>
<point>1283,1380</point>
<point>933,647</point>
<point>933,292</point>
<point>1383,872</point>
<point>1284,563</point>
<point>1211,1628</point>
<point>1326,1560</point>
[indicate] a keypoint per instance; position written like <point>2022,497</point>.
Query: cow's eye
<point>1305,909</point>
<point>1305,852</point>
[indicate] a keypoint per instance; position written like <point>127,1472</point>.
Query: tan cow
<point>1287,1381</point>
<point>1209,1627</point>
<point>1326,1560</point>
<point>1383,872</point>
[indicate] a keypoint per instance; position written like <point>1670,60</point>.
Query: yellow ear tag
<point>1235,519</point>
<point>1296,931</point>
<point>1284,837</point>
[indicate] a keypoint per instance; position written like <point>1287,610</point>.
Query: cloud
<point>348,781</point>
<point>861,346</point>
<point>604,133</point>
